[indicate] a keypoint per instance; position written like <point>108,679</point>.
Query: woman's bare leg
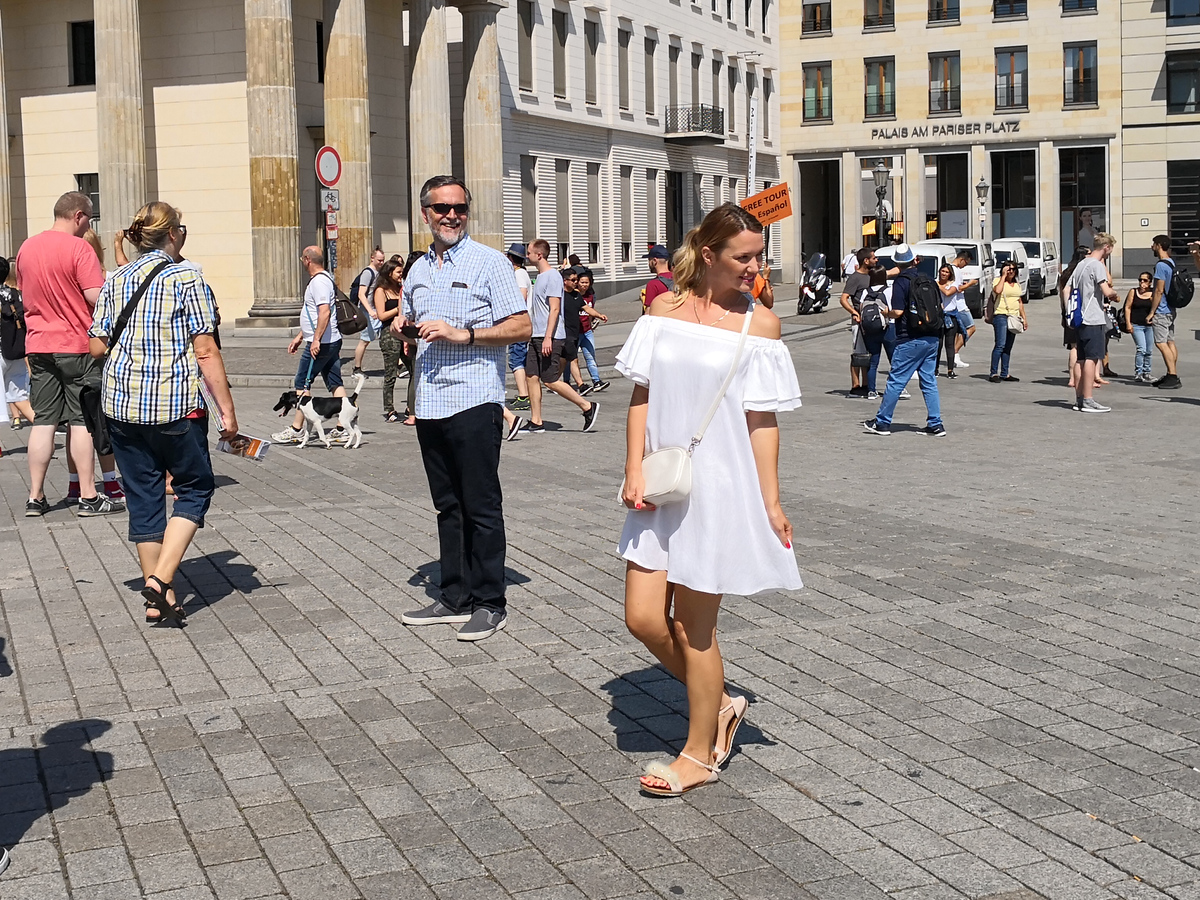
<point>686,645</point>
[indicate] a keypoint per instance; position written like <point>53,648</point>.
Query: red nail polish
<point>639,506</point>
<point>789,545</point>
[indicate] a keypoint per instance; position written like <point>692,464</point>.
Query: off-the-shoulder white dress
<point>719,540</point>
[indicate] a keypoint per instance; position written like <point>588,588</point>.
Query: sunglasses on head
<point>442,209</point>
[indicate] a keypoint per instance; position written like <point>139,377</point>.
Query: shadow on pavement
<point>205,580</point>
<point>426,575</point>
<point>5,668</point>
<point>1055,404</point>
<point>1176,399</point>
<point>34,782</point>
<point>644,718</point>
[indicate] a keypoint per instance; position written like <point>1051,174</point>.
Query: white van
<point>1044,266</point>
<point>1006,249</point>
<point>980,265</point>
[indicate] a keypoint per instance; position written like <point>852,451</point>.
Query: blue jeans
<point>327,364</point>
<point>145,454</point>
<point>1143,337</point>
<point>914,355</point>
<point>587,347</point>
<point>885,342</point>
<point>517,354</point>
<point>1002,352</point>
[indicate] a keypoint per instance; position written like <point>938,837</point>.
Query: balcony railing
<point>1079,92</point>
<point>700,119</point>
<point>818,109</point>
<point>817,19</point>
<point>943,10</point>
<point>878,104</point>
<point>879,19</point>
<point>1011,96</point>
<point>1007,9</point>
<point>945,99</point>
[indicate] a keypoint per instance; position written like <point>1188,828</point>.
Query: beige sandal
<point>664,772</point>
<point>738,705</point>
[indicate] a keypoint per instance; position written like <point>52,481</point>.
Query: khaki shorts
<point>546,368</point>
<point>55,382</point>
<point>1164,328</point>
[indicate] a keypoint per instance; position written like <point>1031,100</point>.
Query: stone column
<point>1048,191</point>
<point>120,120</point>
<point>981,167</point>
<point>914,195</point>
<point>348,131</point>
<point>6,221</point>
<point>274,158</point>
<point>852,236</point>
<point>428,106</point>
<point>483,150</point>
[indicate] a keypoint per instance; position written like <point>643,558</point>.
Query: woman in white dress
<point>730,535</point>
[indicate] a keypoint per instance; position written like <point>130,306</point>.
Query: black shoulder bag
<point>90,400</point>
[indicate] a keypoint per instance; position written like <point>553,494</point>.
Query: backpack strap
<point>128,310</point>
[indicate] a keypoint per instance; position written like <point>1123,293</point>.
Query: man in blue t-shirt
<point>1162,317</point>
<point>913,353</point>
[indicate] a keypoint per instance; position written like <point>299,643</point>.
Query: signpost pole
<point>752,141</point>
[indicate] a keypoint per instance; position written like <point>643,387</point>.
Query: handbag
<point>668,472</point>
<point>1015,325</point>
<point>91,401</point>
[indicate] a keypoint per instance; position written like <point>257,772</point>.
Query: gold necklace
<point>696,313</point>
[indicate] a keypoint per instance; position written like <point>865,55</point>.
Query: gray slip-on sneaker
<point>484,623</point>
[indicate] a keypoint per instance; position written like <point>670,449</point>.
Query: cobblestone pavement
<point>988,688</point>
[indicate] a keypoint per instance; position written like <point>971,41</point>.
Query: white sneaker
<point>1091,406</point>
<point>958,362</point>
<point>905,395</point>
<point>289,435</point>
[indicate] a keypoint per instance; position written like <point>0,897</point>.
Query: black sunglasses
<point>460,209</point>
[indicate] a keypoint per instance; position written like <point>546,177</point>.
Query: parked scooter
<point>814,286</point>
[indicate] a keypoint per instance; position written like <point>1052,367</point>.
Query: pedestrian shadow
<point>645,720</point>
<point>17,450</point>
<point>1052,381</point>
<point>206,580</point>
<point>41,780</point>
<point>1161,398</point>
<point>427,575</point>
<point>5,668</point>
<point>224,481</point>
<point>1055,404</point>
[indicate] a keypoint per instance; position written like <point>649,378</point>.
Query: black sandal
<point>169,613</point>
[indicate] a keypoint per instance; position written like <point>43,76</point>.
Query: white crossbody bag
<point>668,472</point>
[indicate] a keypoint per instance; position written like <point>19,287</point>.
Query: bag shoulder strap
<point>737,358</point>
<point>128,310</point>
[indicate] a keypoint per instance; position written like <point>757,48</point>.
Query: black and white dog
<point>317,409</point>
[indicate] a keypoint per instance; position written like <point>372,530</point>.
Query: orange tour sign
<point>770,205</point>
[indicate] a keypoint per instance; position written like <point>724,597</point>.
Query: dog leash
<point>308,379</point>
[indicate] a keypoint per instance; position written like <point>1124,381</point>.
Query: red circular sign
<point>329,166</point>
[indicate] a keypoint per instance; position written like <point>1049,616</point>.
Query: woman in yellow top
<point>1005,306</point>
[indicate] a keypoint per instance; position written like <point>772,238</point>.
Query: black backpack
<point>12,324</point>
<point>870,312</point>
<point>1179,294</point>
<point>359,282</point>
<point>923,310</point>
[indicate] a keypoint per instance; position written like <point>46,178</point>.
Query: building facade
<point>598,129</point>
<point>1024,96</point>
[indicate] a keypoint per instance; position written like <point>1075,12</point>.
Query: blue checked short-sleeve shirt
<point>151,376</point>
<point>475,287</point>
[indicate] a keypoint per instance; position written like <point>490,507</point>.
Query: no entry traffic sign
<point>329,166</point>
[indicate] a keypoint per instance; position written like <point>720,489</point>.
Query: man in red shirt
<point>663,281</point>
<point>60,277</point>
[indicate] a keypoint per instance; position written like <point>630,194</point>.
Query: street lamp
<point>881,174</point>
<point>981,191</point>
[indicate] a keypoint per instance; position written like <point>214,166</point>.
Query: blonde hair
<point>1102,240</point>
<point>151,227</point>
<point>11,280</point>
<point>719,227</point>
<point>94,240</point>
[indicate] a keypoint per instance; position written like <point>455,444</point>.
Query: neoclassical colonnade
<point>273,129</point>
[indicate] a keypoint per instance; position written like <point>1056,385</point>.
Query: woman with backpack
<point>1006,313</point>
<point>875,327</point>
<point>12,348</point>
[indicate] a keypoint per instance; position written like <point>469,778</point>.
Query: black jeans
<point>462,461</point>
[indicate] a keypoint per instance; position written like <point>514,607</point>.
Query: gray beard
<point>437,237</point>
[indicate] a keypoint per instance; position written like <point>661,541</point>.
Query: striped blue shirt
<point>474,286</point>
<point>151,376</point>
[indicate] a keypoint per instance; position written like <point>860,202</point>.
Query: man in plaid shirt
<point>464,303</point>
